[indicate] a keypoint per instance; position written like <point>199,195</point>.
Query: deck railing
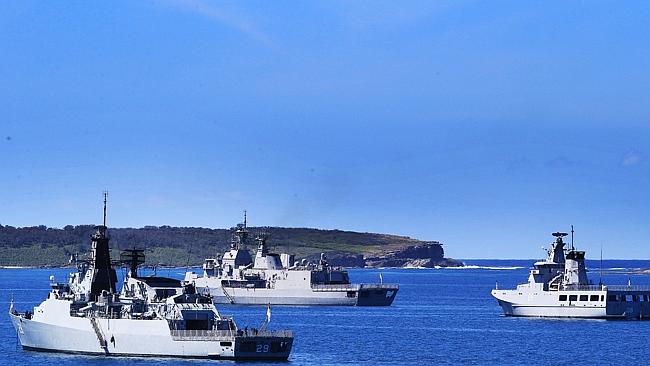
<point>201,335</point>
<point>605,288</point>
<point>217,335</point>
<point>628,288</point>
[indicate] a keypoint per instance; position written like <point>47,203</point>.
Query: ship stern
<point>263,345</point>
<point>376,295</point>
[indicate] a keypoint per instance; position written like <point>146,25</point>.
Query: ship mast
<point>241,234</point>
<point>105,197</point>
<point>104,276</point>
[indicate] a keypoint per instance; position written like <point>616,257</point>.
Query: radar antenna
<point>240,235</point>
<point>572,247</point>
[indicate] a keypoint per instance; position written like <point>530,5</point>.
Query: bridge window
<point>573,297</point>
<point>562,297</point>
<point>593,298</point>
<point>584,297</point>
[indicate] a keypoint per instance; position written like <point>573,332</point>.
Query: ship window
<point>584,297</point>
<point>352,294</point>
<point>573,297</point>
<point>602,297</point>
<point>562,297</point>
<point>593,298</point>
<point>634,298</point>
<point>225,344</point>
<point>628,298</point>
<point>192,324</point>
<point>613,298</point>
<point>641,299</point>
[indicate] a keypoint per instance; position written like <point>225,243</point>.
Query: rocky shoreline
<point>428,255</point>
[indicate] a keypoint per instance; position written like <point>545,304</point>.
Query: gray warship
<point>558,287</point>
<point>276,279</point>
<point>151,316</point>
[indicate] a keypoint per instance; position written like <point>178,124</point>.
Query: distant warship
<point>275,279</point>
<point>151,316</point>
<point>558,287</point>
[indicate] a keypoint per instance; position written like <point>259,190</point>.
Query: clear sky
<point>485,125</point>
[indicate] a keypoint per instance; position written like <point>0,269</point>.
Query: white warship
<point>275,279</point>
<point>558,287</point>
<point>151,316</point>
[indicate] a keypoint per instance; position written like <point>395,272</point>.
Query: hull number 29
<point>262,348</point>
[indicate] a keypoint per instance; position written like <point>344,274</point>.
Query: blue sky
<point>485,125</point>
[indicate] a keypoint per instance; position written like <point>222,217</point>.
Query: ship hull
<point>354,297</point>
<point>139,338</point>
<point>605,305</point>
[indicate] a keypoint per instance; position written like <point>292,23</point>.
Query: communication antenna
<point>572,247</point>
<point>600,281</point>
<point>244,219</point>
<point>105,196</point>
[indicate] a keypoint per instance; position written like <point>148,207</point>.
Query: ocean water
<point>440,316</point>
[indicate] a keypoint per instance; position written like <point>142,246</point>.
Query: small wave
<point>491,268</point>
<point>615,269</point>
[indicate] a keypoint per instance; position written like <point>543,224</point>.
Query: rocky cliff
<point>428,255</point>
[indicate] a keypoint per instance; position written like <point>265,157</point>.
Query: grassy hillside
<point>180,246</point>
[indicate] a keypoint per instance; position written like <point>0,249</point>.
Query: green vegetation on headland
<point>181,246</point>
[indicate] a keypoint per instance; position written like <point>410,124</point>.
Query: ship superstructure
<point>269,278</point>
<point>150,316</point>
<point>558,287</point>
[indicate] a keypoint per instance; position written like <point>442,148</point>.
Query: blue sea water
<point>440,316</point>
